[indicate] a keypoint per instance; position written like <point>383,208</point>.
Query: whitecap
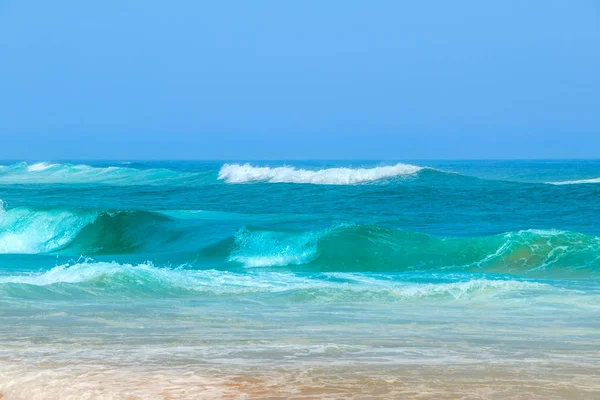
<point>41,166</point>
<point>575,182</point>
<point>245,173</point>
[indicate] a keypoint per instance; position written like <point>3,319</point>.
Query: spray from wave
<point>246,173</point>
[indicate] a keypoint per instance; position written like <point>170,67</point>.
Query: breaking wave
<point>360,248</point>
<point>77,231</point>
<point>246,173</point>
<point>48,173</point>
<point>342,248</point>
<point>125,174</point>
<point>27,231</point>
<point>110,278</point>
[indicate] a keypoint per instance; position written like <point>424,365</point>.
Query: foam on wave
<point>246,173</point>
<point>41,166</point>
<point>105,278</point>
<point>576,182</point>
<point>27,231</point>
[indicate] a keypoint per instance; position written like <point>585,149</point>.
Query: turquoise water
<point>382,279</point>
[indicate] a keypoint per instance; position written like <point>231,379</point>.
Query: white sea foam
<point>41,166</point>
<point>245,173</point>
<point>345,286</point>
<point>275,260</point>
<point>465,289</point>
<point>575,182</point>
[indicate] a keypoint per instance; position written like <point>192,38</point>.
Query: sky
<point>310,79</point>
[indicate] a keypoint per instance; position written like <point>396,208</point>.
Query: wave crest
<point>46,173</point>
<point>246,173</point>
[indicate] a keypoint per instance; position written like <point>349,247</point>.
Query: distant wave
<point>91,278</point>
<point>576,182</point>
<point>132,174</point>
<point>42,166</point>
<point>246,173</point>
<point>42,172</point>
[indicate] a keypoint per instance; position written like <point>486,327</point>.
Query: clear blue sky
<point>299,79</point>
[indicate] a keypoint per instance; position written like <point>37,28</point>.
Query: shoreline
<point>481,382</point>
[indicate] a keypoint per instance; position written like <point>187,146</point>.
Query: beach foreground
<point>342,383</point>
<point>332,352</point>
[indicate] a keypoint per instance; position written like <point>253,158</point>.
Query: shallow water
<point>429,279</point>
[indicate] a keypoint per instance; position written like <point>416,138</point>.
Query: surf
<point>246,173</point>
<point>105,279</point>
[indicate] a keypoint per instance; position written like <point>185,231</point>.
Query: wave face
<point>378,249</point>
<point>246,173</point>
<point>255,248</point>
<point>28,231</point>
<point>342,248</point>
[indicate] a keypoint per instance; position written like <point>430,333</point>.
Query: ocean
<point>301,279</point>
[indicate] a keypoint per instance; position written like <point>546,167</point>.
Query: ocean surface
<point>365,280</point>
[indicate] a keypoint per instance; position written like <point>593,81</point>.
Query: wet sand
<point>522,380</point>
